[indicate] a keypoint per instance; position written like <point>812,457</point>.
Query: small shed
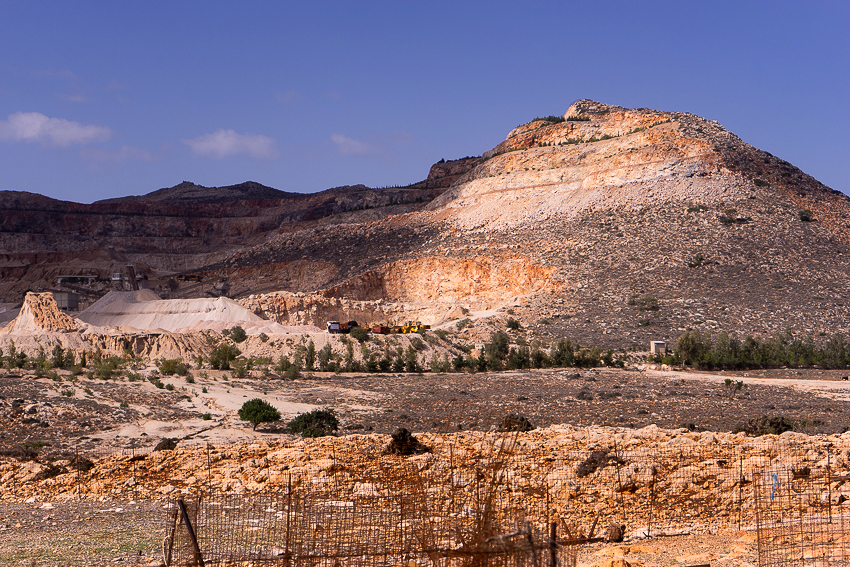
<point>67,301</point>
<point>657,347</point>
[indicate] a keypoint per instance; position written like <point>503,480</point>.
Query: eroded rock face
<point>436,279</point>
<point>41,314</point>
<point>430,290</point>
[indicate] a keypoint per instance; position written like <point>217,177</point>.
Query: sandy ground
<point>834,388</point>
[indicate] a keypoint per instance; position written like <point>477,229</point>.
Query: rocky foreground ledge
<point>650,478</point>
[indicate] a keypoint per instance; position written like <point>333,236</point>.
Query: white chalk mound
<point>145,311</point>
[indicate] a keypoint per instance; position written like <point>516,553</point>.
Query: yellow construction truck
<point>413,327</point>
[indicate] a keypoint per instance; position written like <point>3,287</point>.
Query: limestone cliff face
<point>431,290</point>
<point>445,173</point>
<point>609,158</point>
<point>177,229</point>
<point>441,279</point>
<point>605,158</point>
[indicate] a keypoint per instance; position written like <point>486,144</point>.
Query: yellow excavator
<point>413,327</point>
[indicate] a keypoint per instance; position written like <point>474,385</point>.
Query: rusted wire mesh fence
<point>385,500</point>
<point>801,516</point>
<point>367,527</point>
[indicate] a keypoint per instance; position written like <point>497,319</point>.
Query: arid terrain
<point>607,226</point>
<point>92,417</point>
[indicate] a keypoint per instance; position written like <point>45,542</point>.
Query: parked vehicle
<point>337,327</point>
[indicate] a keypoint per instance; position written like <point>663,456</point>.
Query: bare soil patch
<point>104,415</point>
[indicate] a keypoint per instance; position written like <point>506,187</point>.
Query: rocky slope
<point>175,229</point>
<point>610,225</point>
<point>630,224</point>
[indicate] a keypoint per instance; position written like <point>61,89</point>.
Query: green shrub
<point>767,425</point>
<point>360,334</point>
<point>513,324</point>
<point>223,355</point>
<point>442,333</point>
<point>411,360</point>
<point>169,387</point>
<point>172,366</point>
<point>238,334</point>
<point>206,417</point>
<point>240,368</point>
<point>551,119</point>
<point>806,215</point>
<point>258,411</point>
<point>317,423</point>
<point>697,261</point>
<point>264,337</point>
<point>515,422</point>
<point>59,359</point>
<point>292,373</point>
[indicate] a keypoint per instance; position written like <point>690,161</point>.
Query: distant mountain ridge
<point>189,192</point>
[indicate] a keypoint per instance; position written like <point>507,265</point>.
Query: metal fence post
<point>288,517</point>
<point>740,490</point>
<point>209,470</point>
<point>79,473</point>
<point>651,501</point>
<point>757,498</point>
<point>829,485</point>
<point>620,483</point>
<point>191,530</point>
<point>553,544</point>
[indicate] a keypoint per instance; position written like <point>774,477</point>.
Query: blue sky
<point>104,99</point>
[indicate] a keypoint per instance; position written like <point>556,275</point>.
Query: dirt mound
<point>40,313</point>
<point>145,311</point>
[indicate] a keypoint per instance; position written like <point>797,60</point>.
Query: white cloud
<point>226,143</point>
<point>351,147</point>
<point>56,132</point>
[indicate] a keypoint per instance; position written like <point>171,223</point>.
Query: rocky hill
<point>610,225</point>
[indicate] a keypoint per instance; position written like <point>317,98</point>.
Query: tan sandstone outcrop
<point>40,314</point>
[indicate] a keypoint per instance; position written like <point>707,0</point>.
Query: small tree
<point>258,411</point>
<point>222,356</point>
<point>316,423</point>
<point>238,334</point>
